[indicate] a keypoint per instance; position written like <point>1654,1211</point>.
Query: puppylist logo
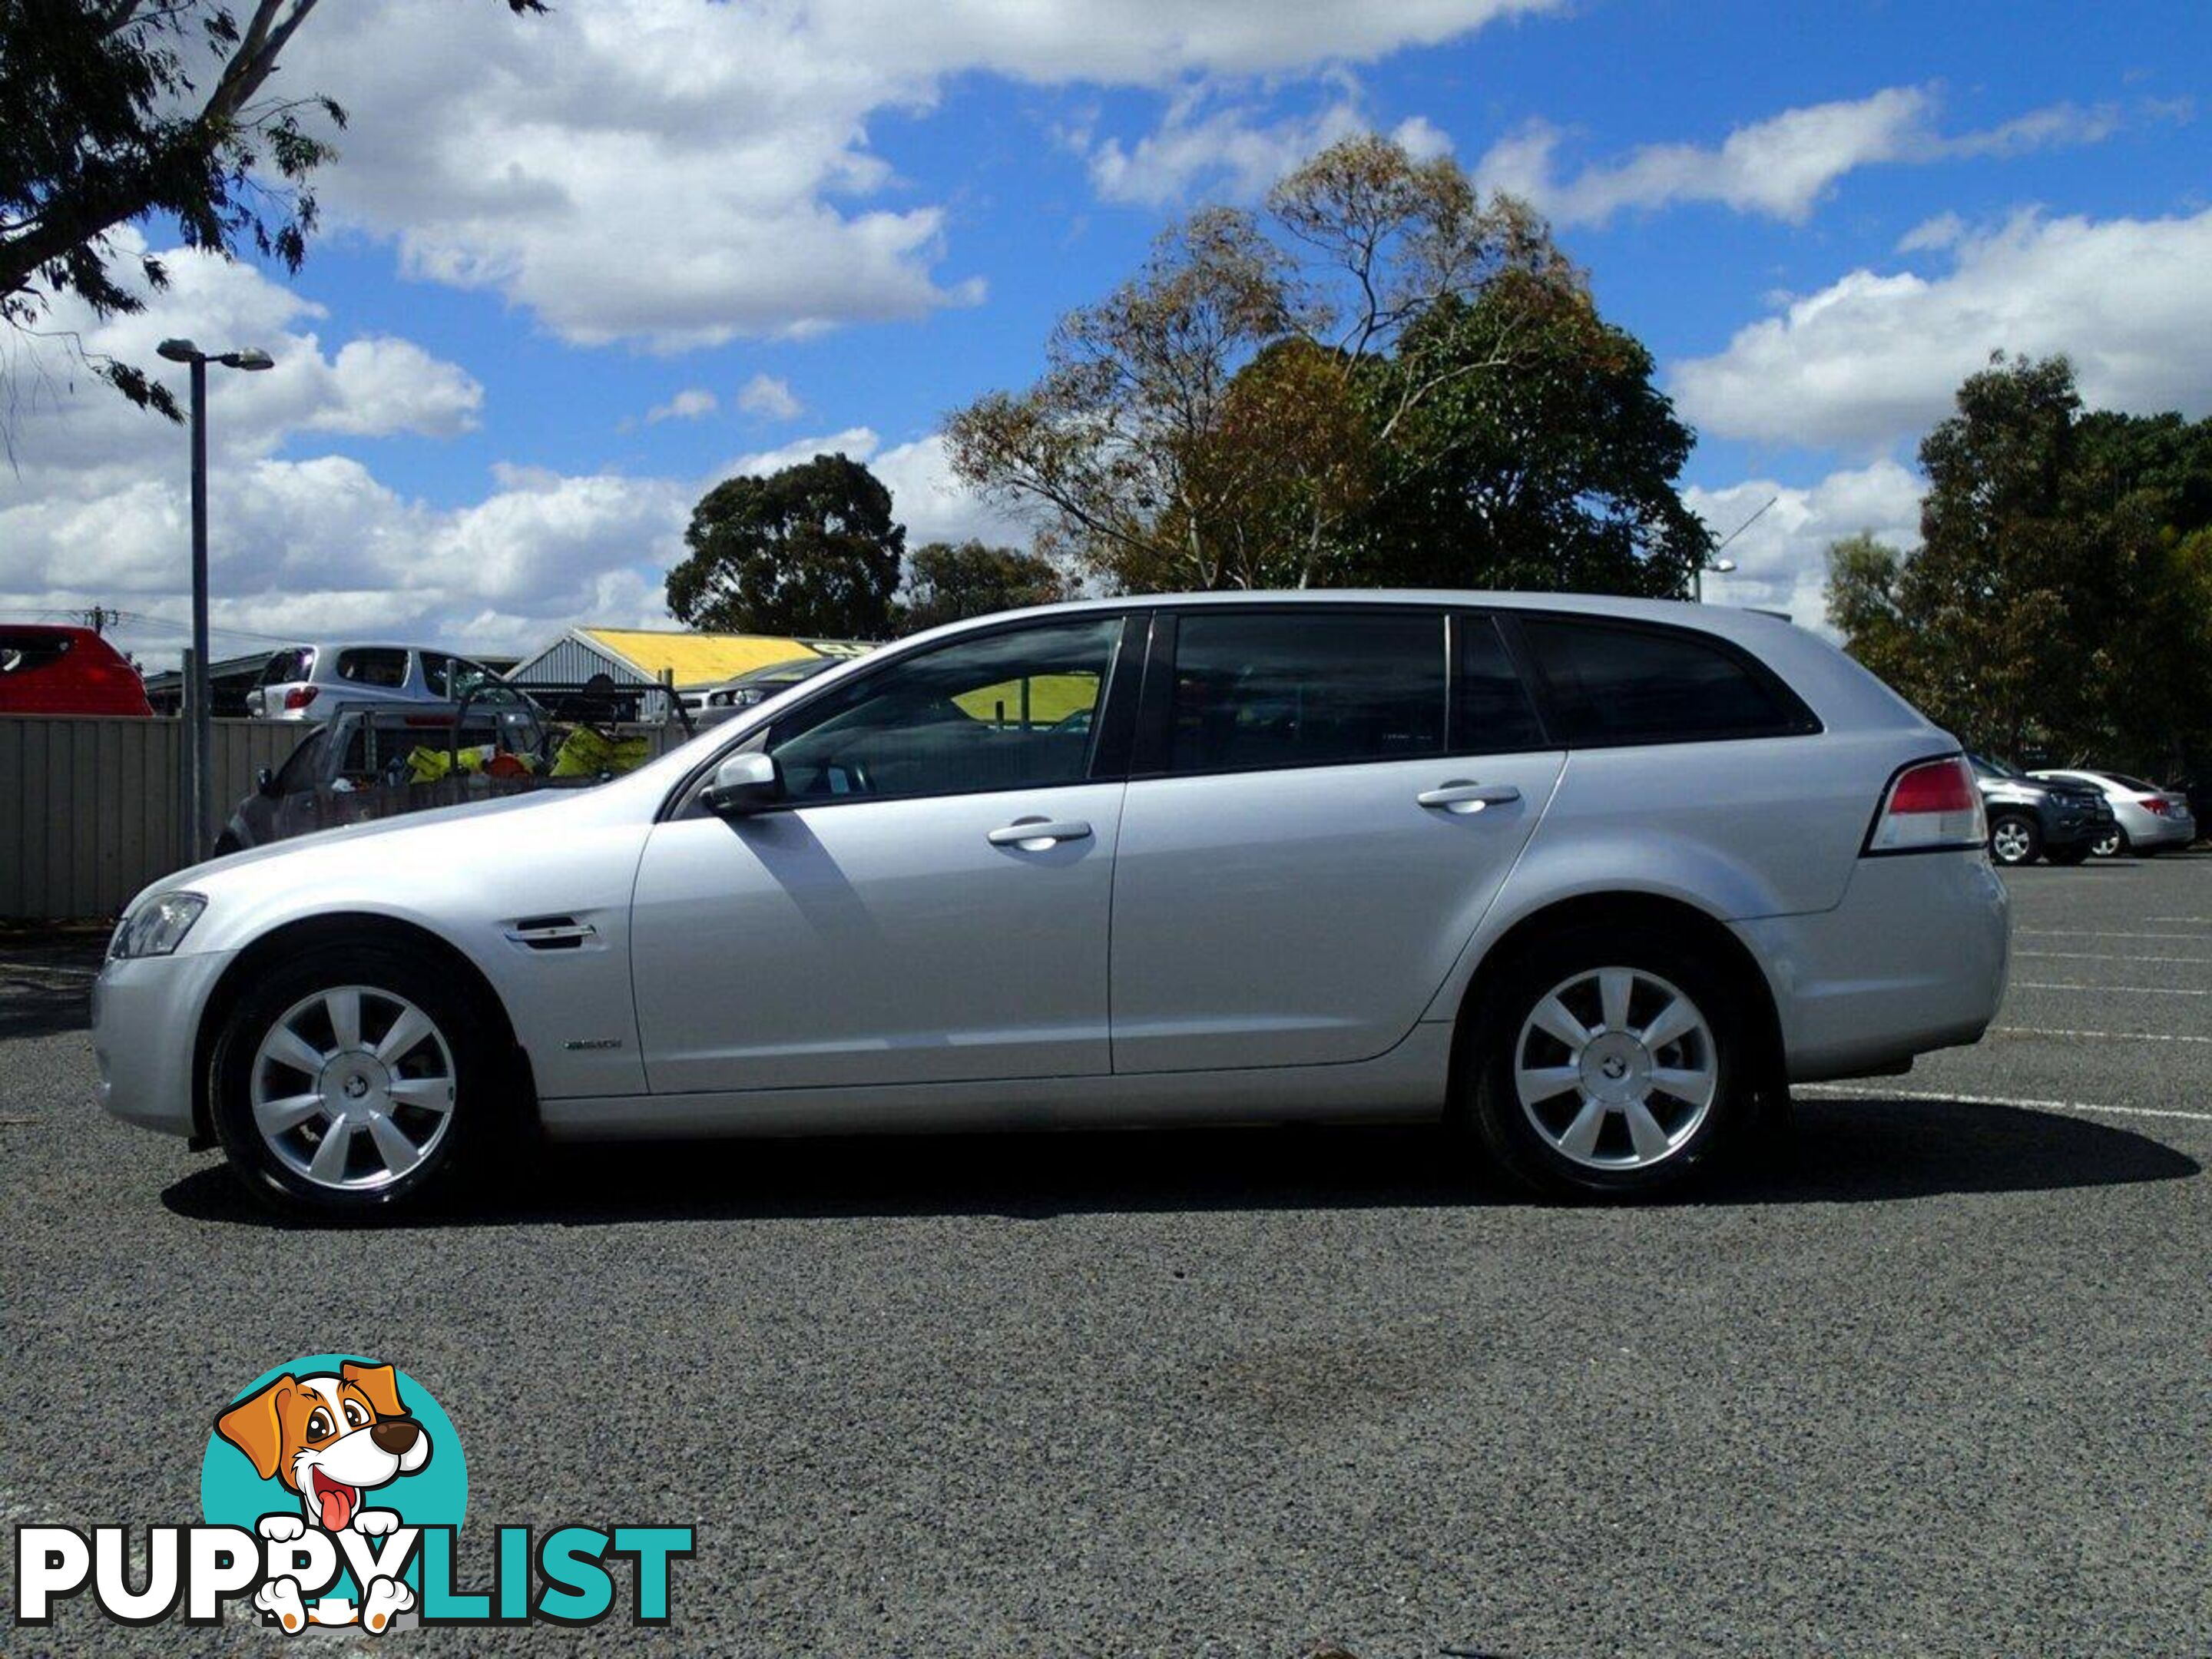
<point>333,1489</point>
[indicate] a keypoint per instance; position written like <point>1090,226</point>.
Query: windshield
<point>1990,769</point>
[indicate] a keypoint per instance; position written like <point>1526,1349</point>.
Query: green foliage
<point>1543,458</point>
<point>115,111</point>
<point>2060,601</point>
<point>809,550</point>
<point>1389,379</point>
<point>947,583</point>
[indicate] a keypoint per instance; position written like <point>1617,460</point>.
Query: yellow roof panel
<point>696,658</point>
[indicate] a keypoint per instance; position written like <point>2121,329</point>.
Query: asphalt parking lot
<point>1934,1380</point>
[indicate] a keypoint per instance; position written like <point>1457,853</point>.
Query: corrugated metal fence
<point>88,806</point>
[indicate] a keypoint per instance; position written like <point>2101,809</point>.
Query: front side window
<point>370,666</point>
<point>437,672</point>
<point>1612,684</point>
<point>1306,688</point>
<point>1012,710</point>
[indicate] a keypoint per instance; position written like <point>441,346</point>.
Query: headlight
<point>156,929</point>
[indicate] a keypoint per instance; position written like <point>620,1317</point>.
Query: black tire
<point>2068,856</point>
<point>2120,846</point>
<point>1493,1108</point>
<point>2014,839</point>
<point>470,1059</point>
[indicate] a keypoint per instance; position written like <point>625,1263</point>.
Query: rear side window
<point>369,665</point>
<point>28,651</point>
<point>1491,713</point>
<point>286,667</point>
<point>1312,687</point>
<point>1612,684</point>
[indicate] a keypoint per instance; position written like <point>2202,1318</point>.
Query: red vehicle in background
<point>46,670</point>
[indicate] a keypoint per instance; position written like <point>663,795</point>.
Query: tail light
<point>1929,806</point>
<point>2152,802</point>
<point>299,696</point>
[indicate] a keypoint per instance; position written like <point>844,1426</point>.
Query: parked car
<point>2146,819</point>
<point>301,682</point>
<point>355,765</point>
<point>1592,880</point>
<point>2030,818</point>
<point>49,670</point>
<point>718,703</point>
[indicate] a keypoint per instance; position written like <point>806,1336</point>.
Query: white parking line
<point>2100,933</point>
<point>2107,1036</point>
<point>2106,955</point>
<point>1874,1090</point>
<point>2132,990</point>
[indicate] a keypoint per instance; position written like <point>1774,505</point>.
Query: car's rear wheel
<point>1614,1063</point>
<point>2111,844</point>
<point>350,1079</point>
<point>2014,839</point>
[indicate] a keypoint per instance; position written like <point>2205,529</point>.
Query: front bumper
<point>145,1034</point>
<point>1913,958</point>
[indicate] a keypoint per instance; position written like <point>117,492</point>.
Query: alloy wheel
<point>2010,842</point>
<point>1616,1069</point>
<point>2107,845</point>
<point>353,1088</point>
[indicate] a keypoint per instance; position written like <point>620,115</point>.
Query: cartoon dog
<point>330,1439</point>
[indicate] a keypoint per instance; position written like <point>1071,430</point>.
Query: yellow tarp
<point>697,659</point>
<point>1053,698</point>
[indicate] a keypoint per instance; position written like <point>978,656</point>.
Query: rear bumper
<point>145,1030</point>
<point>2147,830</point>
<point>1913,958</point>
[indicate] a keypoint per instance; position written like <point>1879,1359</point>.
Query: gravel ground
<point>1933,1380</point>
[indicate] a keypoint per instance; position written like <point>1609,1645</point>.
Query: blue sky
<point>539,233</point>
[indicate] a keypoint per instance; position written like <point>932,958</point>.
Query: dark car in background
<point>2031,818</point>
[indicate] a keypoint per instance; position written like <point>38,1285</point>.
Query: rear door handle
<point>1035,834</point>
<point>1466,795</point>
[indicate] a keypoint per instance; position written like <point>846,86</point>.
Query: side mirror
<point>265,781</point>
<point>743,784</point>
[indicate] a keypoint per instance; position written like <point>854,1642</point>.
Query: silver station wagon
<point>1595,880</point>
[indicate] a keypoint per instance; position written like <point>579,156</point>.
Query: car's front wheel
<point>1614,1063</point>
<point>2014,839</point>
<point>349,1079</point>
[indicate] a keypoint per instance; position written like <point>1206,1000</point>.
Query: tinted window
<point>1613,684</point>
<point>373,666</point>
<point>1493,713</point>
<point>1308,688</point>
<point>1007,711</point>
<point>437,669</point>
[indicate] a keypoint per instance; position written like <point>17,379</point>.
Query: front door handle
<point>1465,795</point>
<point>1035,834</point>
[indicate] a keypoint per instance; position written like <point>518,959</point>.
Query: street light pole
<point>199,691</point>
<point>203,733</point>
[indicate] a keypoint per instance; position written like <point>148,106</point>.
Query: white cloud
<point>98,511</point>
<point>1232,155</point>
<point>692,404</point>
<point>1781,558</point>
<point>1780,167</point>
<point>1873,359</point>
<point>680,173</point>
<point>768,397</point>
<point>926,497</point>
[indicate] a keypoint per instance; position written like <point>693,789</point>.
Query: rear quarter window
<point>1611,683</point>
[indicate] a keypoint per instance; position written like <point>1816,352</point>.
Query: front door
<point>931,905</point>
<point>1337,797</point>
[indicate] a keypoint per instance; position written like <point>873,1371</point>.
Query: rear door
<point>1326,800</point>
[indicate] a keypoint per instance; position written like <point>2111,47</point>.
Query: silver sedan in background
<point>2145,817</point>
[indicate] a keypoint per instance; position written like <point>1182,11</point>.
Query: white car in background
<point>2145,817</point>
<point>301,682</point>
